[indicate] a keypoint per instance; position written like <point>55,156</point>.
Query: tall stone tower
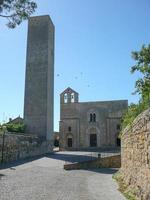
<point>39,81</point>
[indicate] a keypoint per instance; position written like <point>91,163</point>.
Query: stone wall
<point>107,162</point>
<point>22,146</point>
<point>135,156</point>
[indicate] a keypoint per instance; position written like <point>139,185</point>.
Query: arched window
<point>66,98</point>
<point>69,128</point>
<point>91,117</point>
<point>72,98</point>
<point>94,117</point>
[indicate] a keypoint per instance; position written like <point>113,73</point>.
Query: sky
<point>93,44</point>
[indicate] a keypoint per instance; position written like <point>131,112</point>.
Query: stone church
<point>88,125</point>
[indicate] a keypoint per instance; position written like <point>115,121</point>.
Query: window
<point>69,128</point>
<point>66,98</point>
<point>92,117</point>
<point>72,98</point>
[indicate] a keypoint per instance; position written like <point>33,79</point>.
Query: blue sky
<point>94,40</point>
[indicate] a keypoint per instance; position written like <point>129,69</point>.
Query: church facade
<point>88,125</point>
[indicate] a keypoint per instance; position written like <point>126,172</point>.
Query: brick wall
<point>22,146</point>
<point>135,156</point>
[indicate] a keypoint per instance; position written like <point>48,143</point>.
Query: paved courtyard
<point>45,179</point>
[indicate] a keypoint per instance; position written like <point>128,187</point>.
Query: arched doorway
<point>118,142</point>
<point>93,137</point>
<point>69,141</point>
<point>56,142</point>
<point>56,139</point>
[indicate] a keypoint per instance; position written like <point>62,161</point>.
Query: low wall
<point>17,146</point>
<point>107,162</point>
<point>135,156</point>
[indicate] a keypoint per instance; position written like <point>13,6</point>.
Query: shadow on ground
<point>66,157</point>
<point>104,170</point>
<point>14,164</point>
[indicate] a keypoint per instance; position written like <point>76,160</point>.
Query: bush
<point>17,128</point>
<point>133,111</point>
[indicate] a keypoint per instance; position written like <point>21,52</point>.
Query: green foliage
<point>15,11</point>
<point>142,66</point>
<point>142,85</point>
<point>133,111</point>
<point>17,128</point>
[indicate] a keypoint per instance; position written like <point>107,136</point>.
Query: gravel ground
<point>45,179</point>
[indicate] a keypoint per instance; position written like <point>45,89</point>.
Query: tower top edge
<point>41,17</point>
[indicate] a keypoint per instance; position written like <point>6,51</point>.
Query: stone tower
<point>39,81</point>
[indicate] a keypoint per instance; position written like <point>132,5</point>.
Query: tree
<point>15,11</point>
<point>142,85</point>
<point>142,65</point>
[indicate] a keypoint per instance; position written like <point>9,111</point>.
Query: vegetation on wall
<point>128,193</point>
<point>142,85</point>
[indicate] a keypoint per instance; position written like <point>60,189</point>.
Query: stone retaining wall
<point>107,162</point>
<point>135,156</point>
<point>17,146</point>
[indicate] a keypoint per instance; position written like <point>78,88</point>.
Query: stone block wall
<point>106,162</point>
<point>22,146</point>
<point>135,156</point>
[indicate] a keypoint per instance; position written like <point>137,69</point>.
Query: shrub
<point>17,128</point>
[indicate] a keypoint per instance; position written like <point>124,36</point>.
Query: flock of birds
<point>75,78</point>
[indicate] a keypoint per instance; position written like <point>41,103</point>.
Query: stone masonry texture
<point>39,82</point>
<point>135,155</point>
<point>107,162</point>
<point>18,147</point>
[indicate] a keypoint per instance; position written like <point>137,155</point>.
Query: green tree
<point>142,85</point>
<point>15,11</point>
<point>142,65</point>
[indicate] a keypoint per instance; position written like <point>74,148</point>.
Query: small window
<point>66,98</point>
<point>72,98</point>
<point>91,117</point>
<point>94,117</point>
<point>69,128</point>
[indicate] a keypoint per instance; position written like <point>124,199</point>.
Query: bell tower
<point>69,96</point>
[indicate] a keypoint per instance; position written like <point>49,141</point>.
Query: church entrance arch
<point>93,137</point>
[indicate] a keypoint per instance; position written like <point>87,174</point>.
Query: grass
<point>123,188</point>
